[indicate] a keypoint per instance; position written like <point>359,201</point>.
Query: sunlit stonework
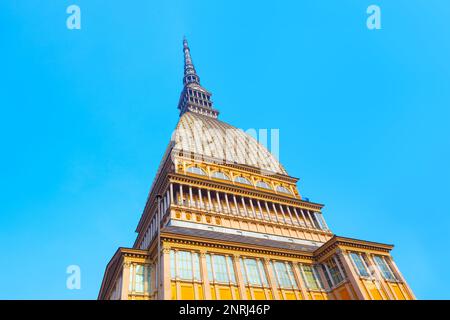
<point>224,220</point>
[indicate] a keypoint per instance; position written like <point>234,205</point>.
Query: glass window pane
<point>283,189</point>
<point>184,265</point>
<point>317,276</point>
<point>309,277</point>
<point>263,184</point>
<point>242,180</point>
<point>139,278</point>
<point>209,267</point>
<point>324,269</point>
<point>231,268</point>
<point>252,272</point>
<point>384,268</point>
<point>359,264</point>
<point>291,276</point>
<point>196,170</point>
<point>262,271</point>
<point>220,268</point>
<point>196,263</point>
<point>220,175</point>
<point>243,270</point>
<point>281,274</point>
<point>130,285</point>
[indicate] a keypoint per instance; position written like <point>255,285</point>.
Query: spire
<point>190,76</point>
<point>194,97</point>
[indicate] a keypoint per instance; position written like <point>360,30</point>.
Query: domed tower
<point>224,220</point>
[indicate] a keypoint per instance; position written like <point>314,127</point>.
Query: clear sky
<point>364,120</point>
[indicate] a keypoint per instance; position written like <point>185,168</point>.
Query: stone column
<point>380,278</point>
<point>353,277</point>
<point>164,275</point>
<point>125,281</point>
<point>219,205</point>
<point>272,281</point>
<point>302,285</point>
<point>253,208</point>
<point>276,212</point>
<point>239,277</point>
<point>204,275</point>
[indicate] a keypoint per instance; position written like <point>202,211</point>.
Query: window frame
<point>248,183</point>
<point>224,177</point>
<point>282,189</point>
<point>359,264</point>
<point>267,187</point>
<point>196,170</point>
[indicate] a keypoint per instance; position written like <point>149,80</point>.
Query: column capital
<point>266,260</point>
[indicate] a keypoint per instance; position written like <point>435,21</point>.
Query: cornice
<point>339,242</point>
<point>206,242</point>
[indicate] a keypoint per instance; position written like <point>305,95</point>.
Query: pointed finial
<point>194,97</point>
<point>190,75</point>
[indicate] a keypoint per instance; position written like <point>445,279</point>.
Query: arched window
<point>196,170</point>
<point>242,180</point>
<point>264,185</point>
<point>220,175</point>
<point>283,189</point>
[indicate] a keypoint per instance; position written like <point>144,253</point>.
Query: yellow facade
<point>224,220</point>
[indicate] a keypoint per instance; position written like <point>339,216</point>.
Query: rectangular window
<point>139,275</point>
<point>384,268</point>
<point>263,273</point>
<point>220,268</point>
<point>130,284</point>
<point>327,276</point>
<point>243,271</point>
<point>231,268</point>
<point>209,267</point>
<point>321,220</point>
<point>185,265</point>
<point>359,263</point>
<point>282,272</point>
<point>333,271</point>
<point>196,265</point>
<point>292,276</point>
<point>317,276</point>
<point>310,278</point>
<point>139,278</point>
<point>253,272</point>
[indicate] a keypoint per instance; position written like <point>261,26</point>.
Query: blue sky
<point>87,114</point>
